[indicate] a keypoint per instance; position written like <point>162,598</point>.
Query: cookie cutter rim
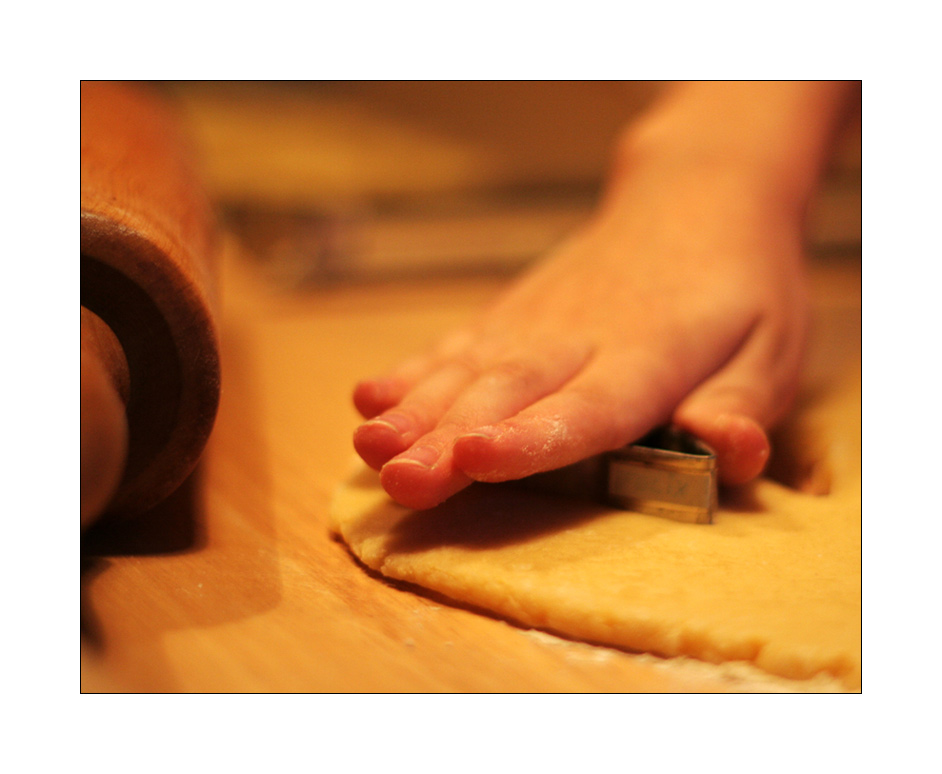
<point>667,473</point>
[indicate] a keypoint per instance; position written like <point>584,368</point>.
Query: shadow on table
<point>205,556</point>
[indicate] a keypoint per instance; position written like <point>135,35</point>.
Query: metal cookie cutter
<point>667,473</point>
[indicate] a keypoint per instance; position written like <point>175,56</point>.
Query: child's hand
<point>682,301</point>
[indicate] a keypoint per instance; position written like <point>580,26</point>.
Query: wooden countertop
<point>235,583</point>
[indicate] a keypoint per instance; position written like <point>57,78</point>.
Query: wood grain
<point>235,584</point>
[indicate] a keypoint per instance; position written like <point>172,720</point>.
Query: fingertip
<point>741,445</point>
<point>377,442</point>
<point>365,399</point>
<point>745,450</point>
<point>372,397</point>
<point>418,485</point>
<point>403,481</point>
<point>475,454</point>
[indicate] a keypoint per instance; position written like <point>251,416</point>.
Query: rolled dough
<point>775,581</point>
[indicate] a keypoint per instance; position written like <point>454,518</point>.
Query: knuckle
<point>413,413</point>
<point>467,363</point>
<point>515,374</point>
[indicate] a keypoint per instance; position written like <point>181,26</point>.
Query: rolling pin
<point>150,355</point>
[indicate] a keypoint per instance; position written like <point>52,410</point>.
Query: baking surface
<point>236,584</point>
<point>774,581</point>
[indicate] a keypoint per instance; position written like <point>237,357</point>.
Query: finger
<point>605,407</point>
<point>425,475</point>
<point>394,431</point>
<point>732,408</point>
<point>374,396</point>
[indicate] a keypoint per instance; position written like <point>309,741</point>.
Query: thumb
<point>732,410</point>
<point>740,442</point>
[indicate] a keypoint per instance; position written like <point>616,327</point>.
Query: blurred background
<point>353,180</point>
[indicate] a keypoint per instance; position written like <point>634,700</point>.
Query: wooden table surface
<point>236,584</point>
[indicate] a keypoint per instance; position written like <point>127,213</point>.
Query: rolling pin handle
<point>104,424</point>
<point>150,355</point>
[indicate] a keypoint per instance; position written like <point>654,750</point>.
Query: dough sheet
<point>775,581</point>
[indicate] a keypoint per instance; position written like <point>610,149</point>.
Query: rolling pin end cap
<point>104,438</point>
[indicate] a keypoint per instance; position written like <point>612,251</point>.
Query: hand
<point>683,300</point>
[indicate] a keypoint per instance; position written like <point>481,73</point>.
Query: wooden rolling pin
<point>150,359</point>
